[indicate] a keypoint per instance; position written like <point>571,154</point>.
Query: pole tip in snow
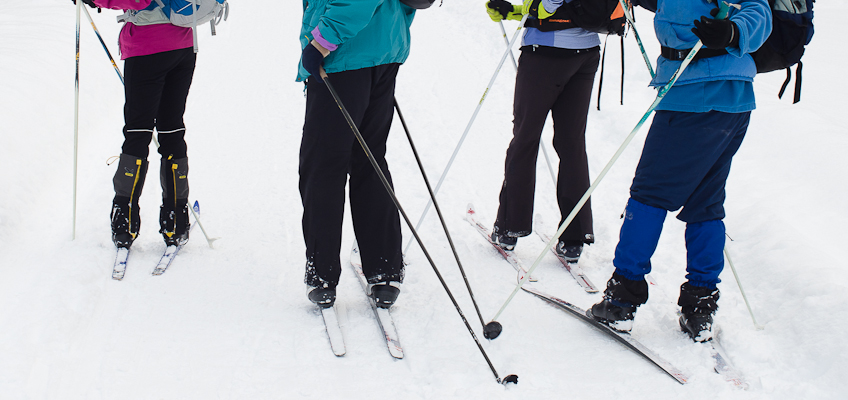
<point>492,330</point>
<point>509,379</point>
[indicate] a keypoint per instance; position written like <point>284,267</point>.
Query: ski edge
<point>623,338</point>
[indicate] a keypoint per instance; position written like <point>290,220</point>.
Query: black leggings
<point>156,87</point>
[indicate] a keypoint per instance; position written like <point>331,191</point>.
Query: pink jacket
<point>150,39</point>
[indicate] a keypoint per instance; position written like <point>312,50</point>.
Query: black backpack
<point>601,16</point>
<point>792,29</point>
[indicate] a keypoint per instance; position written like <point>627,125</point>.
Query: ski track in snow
<point>234,322</point>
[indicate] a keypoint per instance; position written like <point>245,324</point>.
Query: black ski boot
<point>503,240</point>
<point>128,182</point>
<point>173,214</point>
<point>621,298</point>
<point>322,297</point>
<point>618,316</point>
<point>698,305</point>
<point>384,293</point>
<point>569,251</point>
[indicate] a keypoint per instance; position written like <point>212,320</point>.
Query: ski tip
<point>196,207</point>
<point>509,379</point>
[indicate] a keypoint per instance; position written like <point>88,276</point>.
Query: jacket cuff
<point>316,34</point>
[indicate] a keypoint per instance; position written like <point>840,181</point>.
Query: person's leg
<point>325,153</point>
<point>174,213</point>
<point>536,91</point>
<point>144,80</point>
<point>376,221</point>
<point>569,115</point>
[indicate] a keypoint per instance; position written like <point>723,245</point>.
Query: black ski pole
<point>388,187</point>
<point>439,213</point>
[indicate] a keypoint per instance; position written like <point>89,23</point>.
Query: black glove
<point>716,33</point>
<point>89,3</point>
<point>312,59</point>
<point>501,6</point>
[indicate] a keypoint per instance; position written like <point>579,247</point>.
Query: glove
<point>536,9</point>
<point>716,33</point>
<point>501,9</point>
<point>89,3</point>
<point>312,59</point>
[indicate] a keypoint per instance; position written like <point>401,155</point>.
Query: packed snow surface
<point>233,321</point>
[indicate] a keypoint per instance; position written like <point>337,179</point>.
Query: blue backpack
<point>792,29</point>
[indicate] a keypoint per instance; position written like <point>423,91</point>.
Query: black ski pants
<point>156,88</point>
<point>329,153</point>
<point>558,81</point>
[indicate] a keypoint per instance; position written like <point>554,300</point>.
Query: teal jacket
<point>367,32</point>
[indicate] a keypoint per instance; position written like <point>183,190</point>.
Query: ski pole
<point>196,216</point>
<point>439,212</point>
<point>388,187</point>
<point>102,43</point>
<point>541,144</point>
<point>76,126</point>
<point>468,127</point>
<point>495,327</point>
<point>739,283</point>
<point>627,11</point>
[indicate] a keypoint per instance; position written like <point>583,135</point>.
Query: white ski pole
<point>638,40</point>
<point>196,216</point>
<point>739,283</point>
<point>467,128</point>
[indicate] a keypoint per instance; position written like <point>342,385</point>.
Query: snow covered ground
<point>233,322</point>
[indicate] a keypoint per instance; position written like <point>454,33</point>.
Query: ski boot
<point>128,183</point>
<point>504,241</point>
<point>698,305</point>
<point>569,252</point>
<point>322,297</point>
<point>173,214</point>
<point>384,293</point>
<point>621,298</point>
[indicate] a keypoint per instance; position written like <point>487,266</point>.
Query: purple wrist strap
<point>316,34</point>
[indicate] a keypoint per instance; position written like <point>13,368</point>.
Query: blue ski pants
<point>685,163</point>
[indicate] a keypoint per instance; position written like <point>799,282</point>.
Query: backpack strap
<point>797,97</point>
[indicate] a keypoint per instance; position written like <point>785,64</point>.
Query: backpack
<point>792,29</point>
<point>183,13</point>
<point>601,16</point>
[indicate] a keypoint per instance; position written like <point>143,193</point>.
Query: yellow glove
<point>536,9</point>
<point>501,9</point>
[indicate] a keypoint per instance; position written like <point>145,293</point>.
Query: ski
<point>171,251</point>
<point>622,337</point>
<point>471,217</point>
<point>167,258</point>
<point>572,267</point>
<point>334,331</point>
<point>722,363</point>
<point>384,317</point>
<point>120,266</point>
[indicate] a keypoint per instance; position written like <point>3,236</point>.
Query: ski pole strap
<point>680,54</point>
